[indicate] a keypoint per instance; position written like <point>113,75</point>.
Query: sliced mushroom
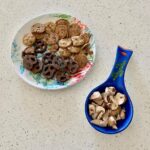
<point>98,101</point>
<point>114,106</point>
<point>111,121</point>
<point>93,103</point>
<point>115,112</point>
<point>118,117</point>
<point>105,96</point>
<point>106,115</point>
<point>112,99</point>
<point>107,108</point>
<point>100,115</point>
<point>91,109</point>
<point>96,95</point>
<point>120,98</point>
<point>77,40</point>
<point>113,103</point>
<point>114,127</point>
<point>110,90</point>
<point>94,116</point>
<point>100,123</point>
<point>122,114</point>
<point>100,109</point>
<point>104,104</point>
<point>64,43</point>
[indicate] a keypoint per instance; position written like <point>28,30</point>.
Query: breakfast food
<point>106,108</point>
<point>63,48</point>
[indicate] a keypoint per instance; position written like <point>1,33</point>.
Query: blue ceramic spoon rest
<point>116,79</point>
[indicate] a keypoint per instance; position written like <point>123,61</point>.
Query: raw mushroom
<point>115,112</point>
<point>93,103</point>
<point>94,116</point>
<point>96,95</point>
<point>107,108</point>
<point>114,127</point>
<point>77,41</point>
<point>105,96</point>
<point>91,109</point>
<point>100,115</point>
<point>100,109</point>
<point>120,98</point>
<point>97,98</point>
<point>100,123</point>
<point>98,101</point>
<point>122,114</point>
<point>107,105</point>
<point>114,106</point>
<point>112,122</point>
<point>110,90</point>
<point>111,98</point>
<point>105,116</point>
<point>64,43</point>
<point>118,117</point>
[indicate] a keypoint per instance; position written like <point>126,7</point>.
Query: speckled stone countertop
<point>33,119</point>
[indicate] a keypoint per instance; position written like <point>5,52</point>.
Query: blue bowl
<point>116,79</point>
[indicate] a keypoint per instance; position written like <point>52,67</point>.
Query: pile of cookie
<point>63,46</point>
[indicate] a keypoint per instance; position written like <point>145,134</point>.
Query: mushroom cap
<point>107,107</point>
<point>114,127</point>
<point>111,121</point>
<point>96,95</point>
<point>110,90</point>
<point>100,123</point>
<point>91,109</point>
<point>100,109</point>
<point>118,117</point>
<point>115,112</point>
<point>114,106</point>
<point>98,101</point>
<point>94,116</point>
<point>122,114</point>
<point>65,43</point>
<point>120,98</point>
<point>100,115</point>
<point>106,115</point>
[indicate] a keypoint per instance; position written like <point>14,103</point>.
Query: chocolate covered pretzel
<point>29,61</point>
<point>40,46</point>
<point>48,71</point>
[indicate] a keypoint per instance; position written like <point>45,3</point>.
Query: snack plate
<point>37,80</point>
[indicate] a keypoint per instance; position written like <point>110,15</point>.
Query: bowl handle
<point>117,74</point>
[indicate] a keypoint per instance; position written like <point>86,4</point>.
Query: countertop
<point>34,119</point>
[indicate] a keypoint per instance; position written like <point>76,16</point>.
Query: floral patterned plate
<point>37,80</point>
